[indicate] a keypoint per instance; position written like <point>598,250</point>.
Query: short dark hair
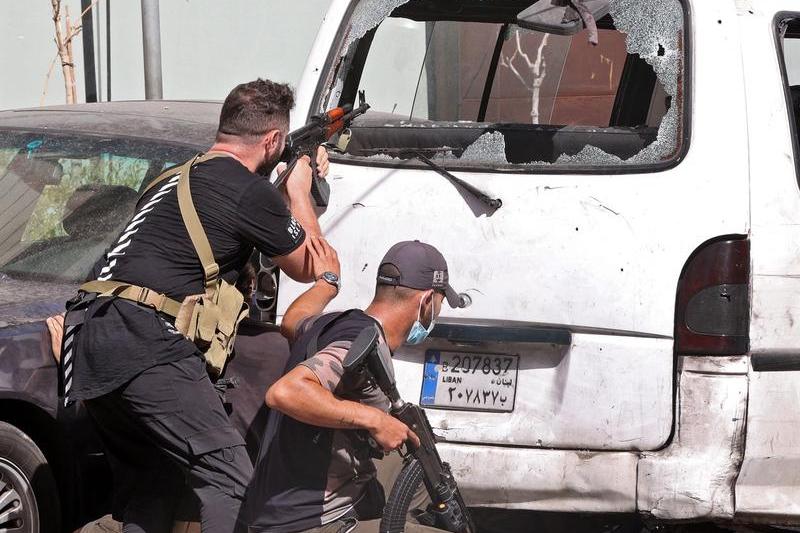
<point>256,107</point>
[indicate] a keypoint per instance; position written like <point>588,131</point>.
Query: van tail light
<point>712,315</point>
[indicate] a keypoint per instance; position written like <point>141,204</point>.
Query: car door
<point>573,280</point>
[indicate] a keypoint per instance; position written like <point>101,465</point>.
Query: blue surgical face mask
<point>418,332</point>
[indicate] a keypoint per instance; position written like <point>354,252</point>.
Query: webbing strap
<point>151,298</point>
<point>321,326</point>
<point>134,293</point>
<point>161,177</point>
<point>173,171</point>
<point>193,225</point>
<point>189,214</point>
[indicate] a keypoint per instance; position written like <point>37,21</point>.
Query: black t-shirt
<point>238,210</point>
<point>307,476</point>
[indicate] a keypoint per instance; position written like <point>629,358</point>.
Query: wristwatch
<point>333,279</point>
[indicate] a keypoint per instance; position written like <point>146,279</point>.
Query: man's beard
<point>267,166</point>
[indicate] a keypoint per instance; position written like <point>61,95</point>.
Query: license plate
<point>469,381</point>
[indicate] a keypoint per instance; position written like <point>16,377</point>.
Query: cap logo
<point>438,278</point>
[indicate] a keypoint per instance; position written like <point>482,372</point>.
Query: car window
<point>486,92</point>
<point>80,177</point>
<point>6,155</point>
<point>63,199</point>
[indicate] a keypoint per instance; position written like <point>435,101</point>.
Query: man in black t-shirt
<point>314,472</point>
<point>144,384</point>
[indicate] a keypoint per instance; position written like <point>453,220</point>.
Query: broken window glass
<point>480,91</point>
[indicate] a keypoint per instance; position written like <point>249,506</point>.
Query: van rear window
<point>471,87</point>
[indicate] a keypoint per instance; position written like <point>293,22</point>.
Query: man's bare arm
<point>299,395</point>
<point>55,327</point>
<point>314,300</point>
<point>297,265</point>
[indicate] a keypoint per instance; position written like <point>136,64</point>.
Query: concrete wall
<point>207,47</point>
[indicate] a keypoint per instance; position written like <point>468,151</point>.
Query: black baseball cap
<point>421,267</point>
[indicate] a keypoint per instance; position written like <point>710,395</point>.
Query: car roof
<point>176,121</point>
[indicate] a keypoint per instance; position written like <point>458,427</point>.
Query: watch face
<point>330,277</point>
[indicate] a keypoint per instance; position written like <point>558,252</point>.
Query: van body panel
<point>559,399</point>
<point>601,253</point>
<point>544,480</point>
<point>769,483</point>
<point>693,477</point>
<point>599,257</point>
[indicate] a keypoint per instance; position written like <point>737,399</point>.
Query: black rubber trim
<point>787,16</point>
<point>781,362</point>
<point>480,333</point>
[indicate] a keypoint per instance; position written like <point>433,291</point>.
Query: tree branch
<point>47,79</point>
<point>63,40</point>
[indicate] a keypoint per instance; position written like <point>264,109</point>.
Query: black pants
<point>167,430</point>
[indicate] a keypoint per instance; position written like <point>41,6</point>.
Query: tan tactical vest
<point>211,319</point>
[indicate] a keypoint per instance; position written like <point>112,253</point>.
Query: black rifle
<point>307,139</point>
<point>447,510</point>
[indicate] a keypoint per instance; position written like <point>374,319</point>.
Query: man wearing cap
<point>314,471</point>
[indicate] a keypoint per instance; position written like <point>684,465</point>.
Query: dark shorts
<point>166,430</point>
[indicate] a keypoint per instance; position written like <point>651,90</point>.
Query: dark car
<point>69,180</point>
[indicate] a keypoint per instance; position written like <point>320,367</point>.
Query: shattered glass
<point>369,14</point>
<point>488,148</point>
<point>590,155</point>
<point>653,29</point>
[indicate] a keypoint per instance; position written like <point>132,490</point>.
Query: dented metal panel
<point>694,476</point>
<point>769,483</point>
<point>544,480</point>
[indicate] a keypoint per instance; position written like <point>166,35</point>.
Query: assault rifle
<point>306,140</point>
<point>447,510</point>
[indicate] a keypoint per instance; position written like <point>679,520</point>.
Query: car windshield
<point>64,198</point>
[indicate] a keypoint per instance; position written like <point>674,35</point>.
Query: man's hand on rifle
<point>390,433</point>
<point>299,181</point>
<point>297,190</point>
<point>323,164</point>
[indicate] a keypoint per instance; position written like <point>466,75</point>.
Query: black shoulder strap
<point>322,325</point>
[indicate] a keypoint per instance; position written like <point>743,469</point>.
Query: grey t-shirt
<point>307,476</point>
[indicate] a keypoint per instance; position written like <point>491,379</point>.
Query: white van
<point>646,251</point>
